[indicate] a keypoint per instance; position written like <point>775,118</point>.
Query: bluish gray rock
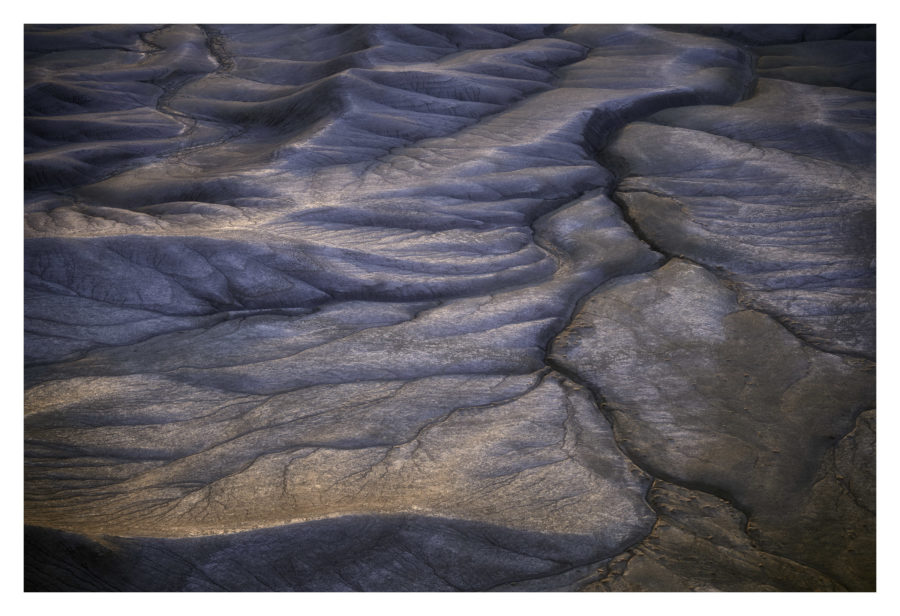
<point>434,307</point>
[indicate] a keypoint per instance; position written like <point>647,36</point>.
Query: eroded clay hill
<point>449,308</point>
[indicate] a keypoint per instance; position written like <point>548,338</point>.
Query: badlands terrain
<point>435,308</point>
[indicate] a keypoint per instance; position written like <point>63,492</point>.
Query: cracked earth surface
<point>449,308</point>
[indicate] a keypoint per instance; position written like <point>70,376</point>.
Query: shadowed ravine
<point>449,308</point>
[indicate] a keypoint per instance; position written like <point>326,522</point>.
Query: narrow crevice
<point>615,197</point>
<point>215,42</point>
<point>645,466</point>
<point>741,296</point>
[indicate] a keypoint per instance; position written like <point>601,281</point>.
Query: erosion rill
<point>449,308</point>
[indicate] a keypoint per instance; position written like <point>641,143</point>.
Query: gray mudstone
<point>290,291</point>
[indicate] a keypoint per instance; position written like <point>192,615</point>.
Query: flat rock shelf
<point>449,308</point>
